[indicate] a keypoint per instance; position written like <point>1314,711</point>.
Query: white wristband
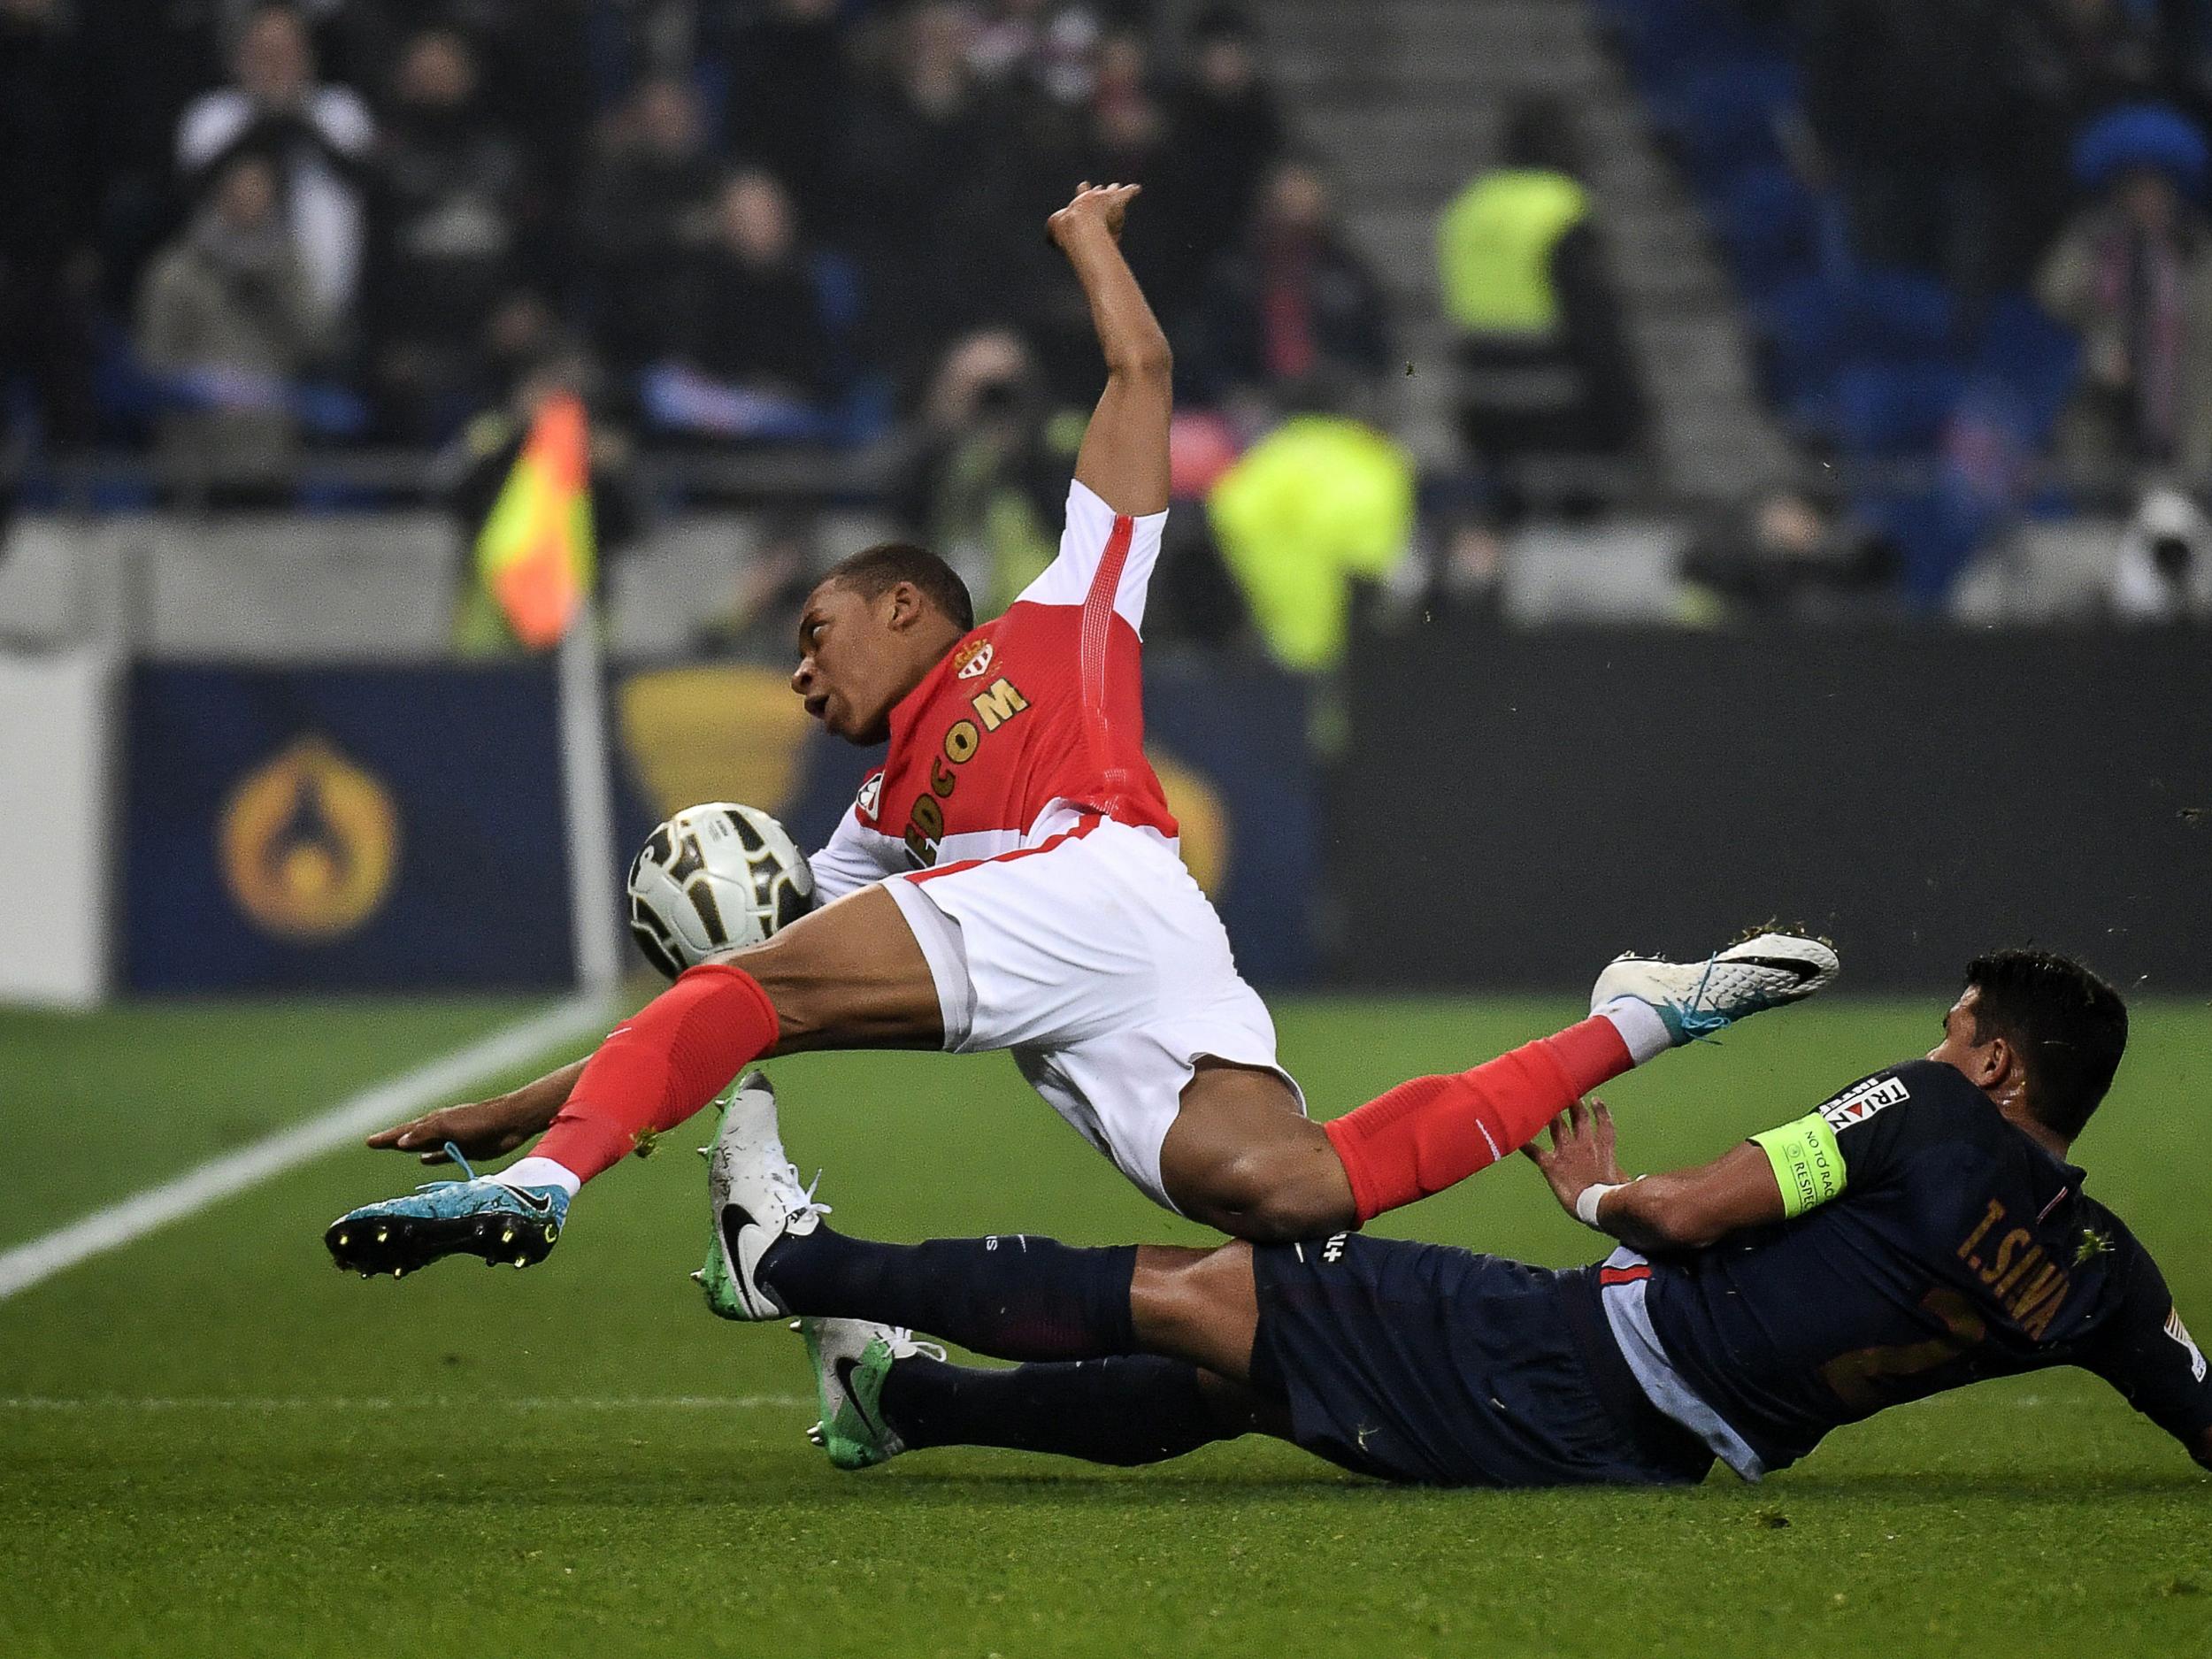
<point>1589,1198</point>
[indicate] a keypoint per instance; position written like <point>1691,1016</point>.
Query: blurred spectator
<point>1294,305</point>
<point>1127,131</point>
<point>229,319</point>
<point>791,102</point>
<point>782,567</point>
<point>932,163</point>
<point>2165,570</point>
<point>648,209</point>
<point>1319,504</point>
<point>1543,363</point>
<point>988,481</point>
<point>2132,274</point>
<point>533,60</point>
<point>47,262</point>
<point>317,137</point>
<point>749,352</point>
<point>1047,46</point>
<point>1224,133</point>
<point>1783,550</point>
<point>446,242</point>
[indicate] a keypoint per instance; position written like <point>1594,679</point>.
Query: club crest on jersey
<point>871,792</point>
<point>1862,1101</point>
<point>2180,1334</point>
<point>973,660</point>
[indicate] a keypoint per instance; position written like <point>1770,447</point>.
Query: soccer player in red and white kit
<point>1010,879</point>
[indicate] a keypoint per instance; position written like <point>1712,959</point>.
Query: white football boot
<point>754,1199</point>
<point>1697,999</point>
<point>851,1358</point>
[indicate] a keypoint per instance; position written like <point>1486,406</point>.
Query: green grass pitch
<point>213,1443</point>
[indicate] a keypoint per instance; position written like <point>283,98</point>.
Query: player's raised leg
<point>1241,1157</point>
<point>850,976</point>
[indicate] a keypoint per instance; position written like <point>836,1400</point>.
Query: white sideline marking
<point>439,1402</point>
<point>218,1179</point>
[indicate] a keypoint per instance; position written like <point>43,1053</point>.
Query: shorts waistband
<point>1656,1436</point>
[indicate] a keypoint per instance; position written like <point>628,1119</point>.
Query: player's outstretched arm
<point>1125,456</point>
<point>1680,1210</point>
<point>485,1128</point>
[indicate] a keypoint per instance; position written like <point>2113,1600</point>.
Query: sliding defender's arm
<point>1678,1210</point>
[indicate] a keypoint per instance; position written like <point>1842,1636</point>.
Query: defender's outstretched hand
<point>1105,204</point>
<point>1580,1154</point>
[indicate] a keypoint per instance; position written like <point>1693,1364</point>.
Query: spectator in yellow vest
<point>1319,503</point>
<point>1543,363</point>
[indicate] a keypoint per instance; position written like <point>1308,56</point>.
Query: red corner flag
<point>536,552</point>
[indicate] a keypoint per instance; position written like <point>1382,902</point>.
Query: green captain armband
<point>1808,1164</point>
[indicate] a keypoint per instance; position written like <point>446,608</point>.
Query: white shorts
<point>1096,959</point>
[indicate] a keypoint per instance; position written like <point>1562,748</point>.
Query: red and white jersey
<point>1030,722</point>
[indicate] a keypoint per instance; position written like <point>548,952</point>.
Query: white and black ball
<point>715,879</point>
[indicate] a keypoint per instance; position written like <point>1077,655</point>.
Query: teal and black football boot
<point>479,1215</point>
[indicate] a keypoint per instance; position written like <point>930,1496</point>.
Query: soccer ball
<point>714,879</point>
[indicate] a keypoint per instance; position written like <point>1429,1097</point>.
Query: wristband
<point>1589,1198</point>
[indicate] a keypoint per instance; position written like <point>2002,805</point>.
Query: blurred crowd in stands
<point>1970,234</point>
<point>248,223</point>
<point>1972,237</point>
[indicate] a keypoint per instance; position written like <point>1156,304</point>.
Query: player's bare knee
<point>1273,1194</point>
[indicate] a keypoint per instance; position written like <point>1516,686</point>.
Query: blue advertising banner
<point>345,829</point>
<point>1230,745</point>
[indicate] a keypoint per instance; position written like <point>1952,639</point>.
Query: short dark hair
<point>873,570</point>
<point>2070,1027</point>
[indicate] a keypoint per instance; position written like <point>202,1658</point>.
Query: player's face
<point>850,670</point>
<point>1957,1046</point>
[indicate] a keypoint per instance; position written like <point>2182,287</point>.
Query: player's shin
<point>1435,1132</point>
<point>1010,1295</point>
<point>1138,1409</point>
<point>659,1067</point>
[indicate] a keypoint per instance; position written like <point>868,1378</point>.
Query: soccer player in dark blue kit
<point>1921,1230</point>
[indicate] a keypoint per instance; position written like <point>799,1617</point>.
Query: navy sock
<point>1138,1409</point>
<point>1012,1296</point>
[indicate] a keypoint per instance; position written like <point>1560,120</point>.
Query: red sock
<point>663,1064</point>
<point>1435,1132</point>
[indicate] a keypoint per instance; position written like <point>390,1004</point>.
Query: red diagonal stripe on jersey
<point>1623,1275</point>
<point>1089,822</point>
<point>1098,620</point>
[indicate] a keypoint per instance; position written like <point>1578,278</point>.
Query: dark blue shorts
<point>1423,1363</point>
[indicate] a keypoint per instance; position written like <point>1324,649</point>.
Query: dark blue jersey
<point>1956,1249</point>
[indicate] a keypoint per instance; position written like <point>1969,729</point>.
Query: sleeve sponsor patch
<point>2179,1332</point>
<point>1862,1101</point>
<point>1808,1164</point>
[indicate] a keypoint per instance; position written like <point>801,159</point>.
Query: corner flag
<point>535,552</point>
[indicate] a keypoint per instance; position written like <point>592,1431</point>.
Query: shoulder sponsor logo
<point>973,661</point>
<point>871,792</point>
<point>1862,1101</point>
<point>2180,1334</point>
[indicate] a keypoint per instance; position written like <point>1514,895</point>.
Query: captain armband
<point>1808,1164</point>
